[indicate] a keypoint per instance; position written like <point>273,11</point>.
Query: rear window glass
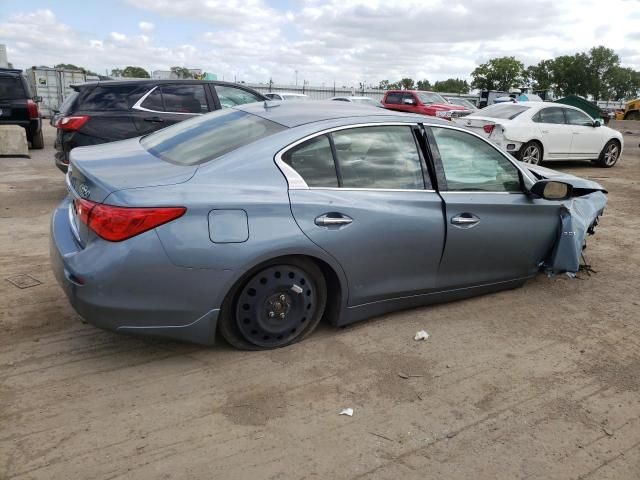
<point>393,98</point>
<point>506,111</point>
<point>65,106</point>
<point>11,88</point>
<point>204,138</point>
<point>113,97</point>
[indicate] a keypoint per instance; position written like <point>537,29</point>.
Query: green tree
<point>71,66</point>
<point>569,75</point>
<point>624,83</point>
<point>135,72</point>
<point>540,76</point>
<point>384,85</point>
<point>451,85</point>
<point>407,83</point>
<point>181,72</point>
<point>116,72</point>
<point>602,62</point>
<point>498,74</point>
<point>423,85</point>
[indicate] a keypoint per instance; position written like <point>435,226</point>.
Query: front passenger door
<point>495,232</point>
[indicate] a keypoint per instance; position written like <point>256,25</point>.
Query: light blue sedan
<point>260,220</point>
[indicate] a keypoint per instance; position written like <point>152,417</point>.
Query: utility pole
<point>296,78</point>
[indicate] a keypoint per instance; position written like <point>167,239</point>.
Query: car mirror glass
<point>552,190</point>
<point>596,123</point>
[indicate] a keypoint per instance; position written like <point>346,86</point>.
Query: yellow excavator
<point>631,111</point>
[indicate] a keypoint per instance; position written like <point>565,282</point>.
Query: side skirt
<point>368,310</point>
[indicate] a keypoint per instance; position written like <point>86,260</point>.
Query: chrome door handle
<point>465,220</point>
<point>332,220</point>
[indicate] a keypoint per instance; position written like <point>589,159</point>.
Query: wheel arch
<point>336,282</point>
<point>540,144</point>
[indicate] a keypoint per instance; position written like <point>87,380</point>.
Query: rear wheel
<point>531,152</point>
<point>37,141</point>
<point>609,155</point>
<point>280,304</point>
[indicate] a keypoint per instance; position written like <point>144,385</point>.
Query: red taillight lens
<point>488,128</point>
<point>72,124</point>
<point>32,108</point>
<point>120,223</point>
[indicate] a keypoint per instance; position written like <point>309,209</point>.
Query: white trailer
<point>53,85</point>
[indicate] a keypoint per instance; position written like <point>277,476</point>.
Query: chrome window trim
<point>295,180</point>
<point>138,105</point>
<point>373,189</point>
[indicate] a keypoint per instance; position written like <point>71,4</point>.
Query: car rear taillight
<point>120,223</point>
<point>32,108</point>
<point>488,128</point>
<point>72,124</point>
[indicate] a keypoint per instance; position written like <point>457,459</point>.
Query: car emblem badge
<point>84,191</point>
<point>468,122</point>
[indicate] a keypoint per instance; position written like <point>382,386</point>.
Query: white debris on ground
<point>347,411</point>
<point>421,335</point>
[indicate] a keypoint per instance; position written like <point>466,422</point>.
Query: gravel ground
<point>541,382</point>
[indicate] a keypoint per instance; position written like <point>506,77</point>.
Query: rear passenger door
<point>169,103</point>
<point>555,133</point>
<point>363,195</point>
<point>586,140</point>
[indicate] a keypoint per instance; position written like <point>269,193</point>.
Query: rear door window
<point>206,137</point>
<point>553,115</point>
<point>177,99</point>
<point>384,157</point>
<point>11,88</point>
<point>232,96</point>
<point>575,117</point>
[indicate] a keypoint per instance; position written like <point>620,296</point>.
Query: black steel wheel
<point>276,306</point>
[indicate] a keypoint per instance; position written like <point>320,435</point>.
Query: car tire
<point>276,305</point>
<point>609,155</point>
<point>37,141</point>
<point>531,153</point>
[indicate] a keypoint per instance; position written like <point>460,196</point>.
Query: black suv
<point>18,106</point>
<point>106,111</point>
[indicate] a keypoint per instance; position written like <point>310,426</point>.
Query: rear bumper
<point>131,286</point>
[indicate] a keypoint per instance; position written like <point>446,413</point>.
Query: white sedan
<point>537,131</point>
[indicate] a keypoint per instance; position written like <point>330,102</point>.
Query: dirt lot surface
<point>542,382</point>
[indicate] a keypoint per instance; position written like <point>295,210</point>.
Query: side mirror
<point>408,101</point>
<point>37,99</point>
<point>596,123</point>
<point>552,190</point>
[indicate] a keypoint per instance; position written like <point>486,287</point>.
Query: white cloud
<point>146,27</point>
<point>343,40</point>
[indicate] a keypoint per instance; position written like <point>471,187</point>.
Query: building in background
<point>4,60</point>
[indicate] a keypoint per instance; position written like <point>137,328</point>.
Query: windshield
<point>430,97</point>
<point>506,111</point>
<point>11,88</point>
<point>204,138</point>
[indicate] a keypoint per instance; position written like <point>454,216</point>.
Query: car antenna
<point>268,104</point>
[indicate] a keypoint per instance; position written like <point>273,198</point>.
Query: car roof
<point>294,114</point>
<point>151,81</point>
<point>10,72</point>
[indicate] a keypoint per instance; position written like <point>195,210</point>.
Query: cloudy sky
<point>346,41</point>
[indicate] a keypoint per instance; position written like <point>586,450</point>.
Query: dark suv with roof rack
<point>18,106</point>
<point>106,111</point>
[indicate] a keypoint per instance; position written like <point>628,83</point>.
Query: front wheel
<point>531,152</point>
<point>609,155</point>
<point>280,304</point>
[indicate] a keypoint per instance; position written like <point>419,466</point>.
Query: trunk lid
<point>476,124</point>
<point>97,171</point>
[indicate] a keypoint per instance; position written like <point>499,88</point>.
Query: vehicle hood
<point>445,106</point>
<point>97,171</point>
<point>581,186</point>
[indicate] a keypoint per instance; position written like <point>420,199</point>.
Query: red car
<point>424,103</point>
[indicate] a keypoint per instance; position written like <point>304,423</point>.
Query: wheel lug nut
<point>282,315</point>
<point>282,298</point>
<point>271,314</point>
